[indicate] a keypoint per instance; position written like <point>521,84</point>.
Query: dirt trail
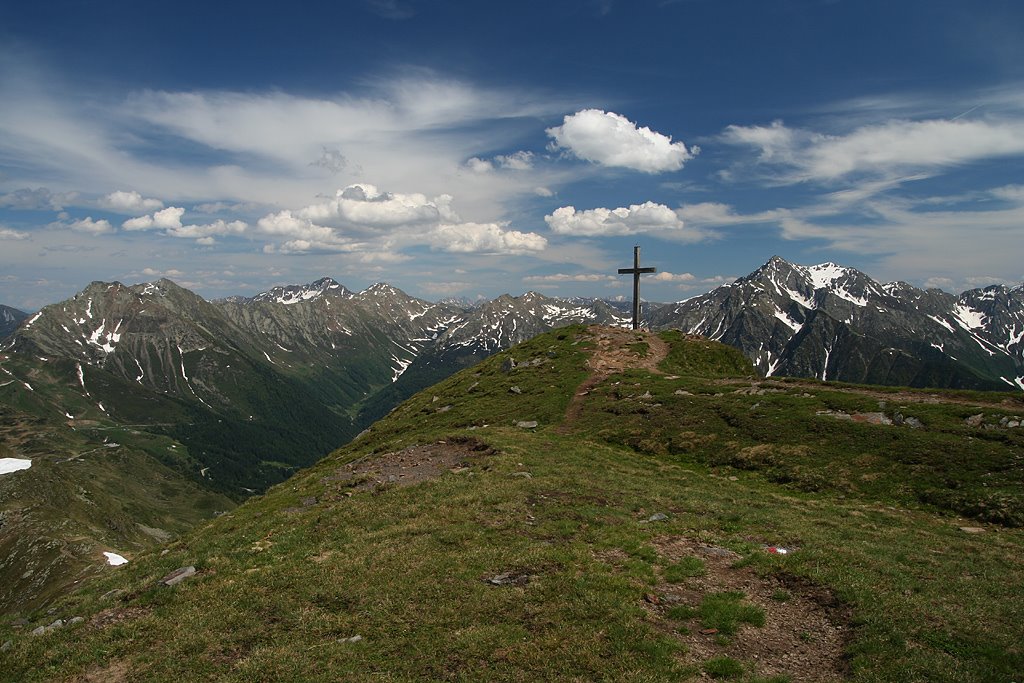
<point>612,354</point>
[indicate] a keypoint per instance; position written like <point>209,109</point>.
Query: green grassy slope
<point>629,545</point>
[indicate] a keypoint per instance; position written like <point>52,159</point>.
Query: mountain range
<point>225,398</point>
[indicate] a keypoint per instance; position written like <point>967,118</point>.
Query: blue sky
<point>473,148</point>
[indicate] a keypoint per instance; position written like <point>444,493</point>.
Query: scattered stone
<point>975,420</point>
<point>308,502</point>
<point>657,517</point>
<point>178,575</point>
<point>8,644</point>
<point>352,639</point>
<point>652,598</point>
<point>1013,424</point>
<point>75,620</point>
<point>913,422</point>
<point>39,630</point>
<point>458,470</point>
<point>680,392</point>
<point>646,394</point>
<point>972,530</point>
<point>522,475</point>
<point>472,387</point>
<point>444,409</point>
<point>734,478</point>
<point>113,595</point>
<point>508,366</point>
<point>709,631</point>
<point>509,579</point>
<point>515,390</point>
<point>435,399</point>
<point>527,424</point>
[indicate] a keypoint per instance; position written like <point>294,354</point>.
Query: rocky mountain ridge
<point>836,323</point>
<point>10,318</point>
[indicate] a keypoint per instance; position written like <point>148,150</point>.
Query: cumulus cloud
<point>204,232</point>
<point>153,272</point>
<point>666,276</point>
<point>88,225</point>
<point>485,237</point>
<point>892,147</point>
<point>166,219</point>
<point>648,217</point>
<point>10,234</point>
<point>609,139</point>
<point>129,202</point>
<point>361,218</point>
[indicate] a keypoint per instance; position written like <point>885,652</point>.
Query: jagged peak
<point>382,289</point>
<point>293,294</point>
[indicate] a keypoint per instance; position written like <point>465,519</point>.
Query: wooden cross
<point>636,271</point>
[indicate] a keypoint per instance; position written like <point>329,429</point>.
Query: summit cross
<point>636,271</point>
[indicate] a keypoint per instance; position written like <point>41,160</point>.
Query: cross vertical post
<point>636,271</point>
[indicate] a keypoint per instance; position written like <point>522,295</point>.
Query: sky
<point>469,149</point>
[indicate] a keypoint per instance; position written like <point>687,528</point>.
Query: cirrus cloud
<point>610,139</point>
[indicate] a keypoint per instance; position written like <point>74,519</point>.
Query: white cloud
<point>517,161</point>
<point>637,218</point>
<point>9,234</point>
<point>666,276</point>
<point>892,147</point>
<point>88,225</point>
<point>486,238</point>
<point>129,202</point>
<point>610,139</point>
<point>543,192</point>
<point>563,277</point>
<point>717,214</point>
<point>218,227</point>
<point>166,219</point>
<point>364,219</point>
<point>477,165</point>
<point>153,272</point>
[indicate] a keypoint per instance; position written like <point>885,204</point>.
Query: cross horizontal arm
<point>633,271</point>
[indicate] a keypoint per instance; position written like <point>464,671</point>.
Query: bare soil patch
<point>411,465</point>
<point>806,628</point>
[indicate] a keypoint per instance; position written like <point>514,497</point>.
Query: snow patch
<point>825,275</point>
<point>800,298</point>
<point>8,465</point>
<point>114,560</point>
<point>969,318</point>
<point>942,322</point>
<point>32,320</point>
<point>792,324</point>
